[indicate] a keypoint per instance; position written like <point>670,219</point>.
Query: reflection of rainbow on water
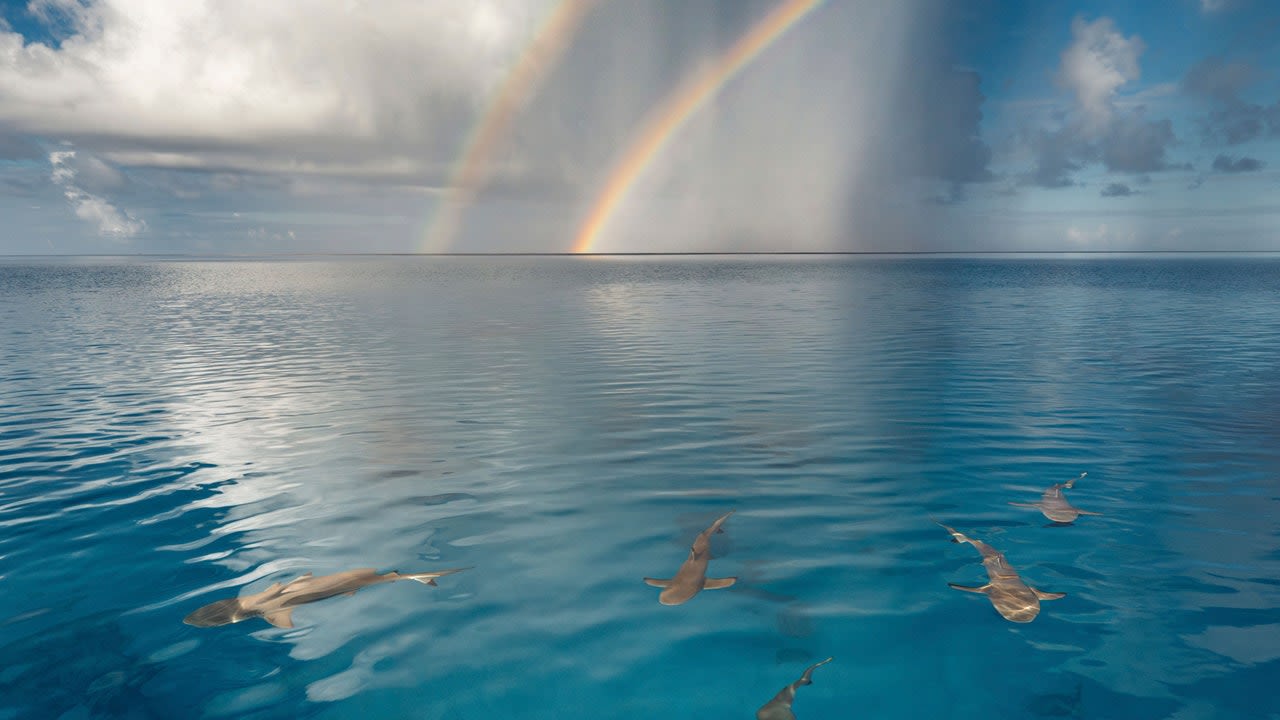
<point>679,107</point>
<point>546,47</point>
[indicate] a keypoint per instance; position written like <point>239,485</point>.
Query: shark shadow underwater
<point>276,603</point>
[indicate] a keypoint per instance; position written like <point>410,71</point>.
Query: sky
<point>233,127</point>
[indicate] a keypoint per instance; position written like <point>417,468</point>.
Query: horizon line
<point>653,254</point>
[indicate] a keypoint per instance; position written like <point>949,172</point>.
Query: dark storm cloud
<point>20,187</point>
<point>1134,144</point>
<point>1130,143</point>
<point>1117,190</point>
<point>1229,164</point>
<point>1058,154</point>
<point>938,116</point>
<point>1214,78</point>
<point>1232,118</point>
<point>18,147</point>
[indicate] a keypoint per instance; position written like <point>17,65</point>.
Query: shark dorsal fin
<point>280,618</point>
<point>290,587</point>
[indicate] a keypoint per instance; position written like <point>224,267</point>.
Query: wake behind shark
<point>1013,599</point>
<point>692,578</point>
<point>1054,504</point>
<point>276,603</point>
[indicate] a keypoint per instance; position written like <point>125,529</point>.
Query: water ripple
<point>173,433</point>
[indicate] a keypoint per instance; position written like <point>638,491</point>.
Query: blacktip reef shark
<point>779,708</point>
<point>1054,504</point>
<point>1013,599</point>
<point>692,578</point>
<point>276,603</point>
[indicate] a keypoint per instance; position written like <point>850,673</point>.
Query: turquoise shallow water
<point>177,432</point>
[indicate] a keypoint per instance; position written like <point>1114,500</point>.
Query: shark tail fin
<point>429,578</point>
<point>1072,482</point>
<point>720,521</point>
<point>807,677</point>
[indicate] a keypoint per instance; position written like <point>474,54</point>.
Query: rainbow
<point>546,47</point>
<point>679,107</point>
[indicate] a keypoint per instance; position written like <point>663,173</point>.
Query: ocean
<point>174,432</point>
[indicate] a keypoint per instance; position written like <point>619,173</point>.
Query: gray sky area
<point>151,126</point>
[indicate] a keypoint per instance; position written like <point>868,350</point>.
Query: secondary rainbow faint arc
<point>548,43</point>
<point>679,107</point>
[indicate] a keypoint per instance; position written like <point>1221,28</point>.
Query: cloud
<point>938,123</point>
<point>109,220</point>
<point>1231,119</point>
<point>1102,236</point>
<point>1117,190</point>
<point>329,84</point>
<point>1096,64</point>
<point>1229,164</point>
<point>1135,145</point>
<point>18,147</point>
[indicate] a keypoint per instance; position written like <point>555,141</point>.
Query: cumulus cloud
<point>1229,164</point>
<point>381,87</point>
<point>1231,118</point>
<point>1097,64</point>
<point>109,220</point>
<point>1117,190</point>
<point>1102,236</point>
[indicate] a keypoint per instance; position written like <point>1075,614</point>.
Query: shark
<point>779,708</point>
<point>1055,506</point>
<point>692,578</point>
<point>1015,600</point>
<point>276,603</point>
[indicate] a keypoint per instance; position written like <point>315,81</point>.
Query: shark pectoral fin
<point>1020,504</point>
<point>657,583</point>
<point>280,618</point>
<point>718,583</point>
<point>1086,512</point>
<point>984,589</point>
<point>429,578</point>
<point>1048,595</point>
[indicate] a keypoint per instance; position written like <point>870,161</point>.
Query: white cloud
<point>109,220</point>
<point>1102,237</point>
<point>242,83</point>
<point>1096,64</point>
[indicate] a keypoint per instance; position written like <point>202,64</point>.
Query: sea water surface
<point>175,432</point>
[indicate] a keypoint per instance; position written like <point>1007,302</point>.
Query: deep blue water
<point>177,432</point>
